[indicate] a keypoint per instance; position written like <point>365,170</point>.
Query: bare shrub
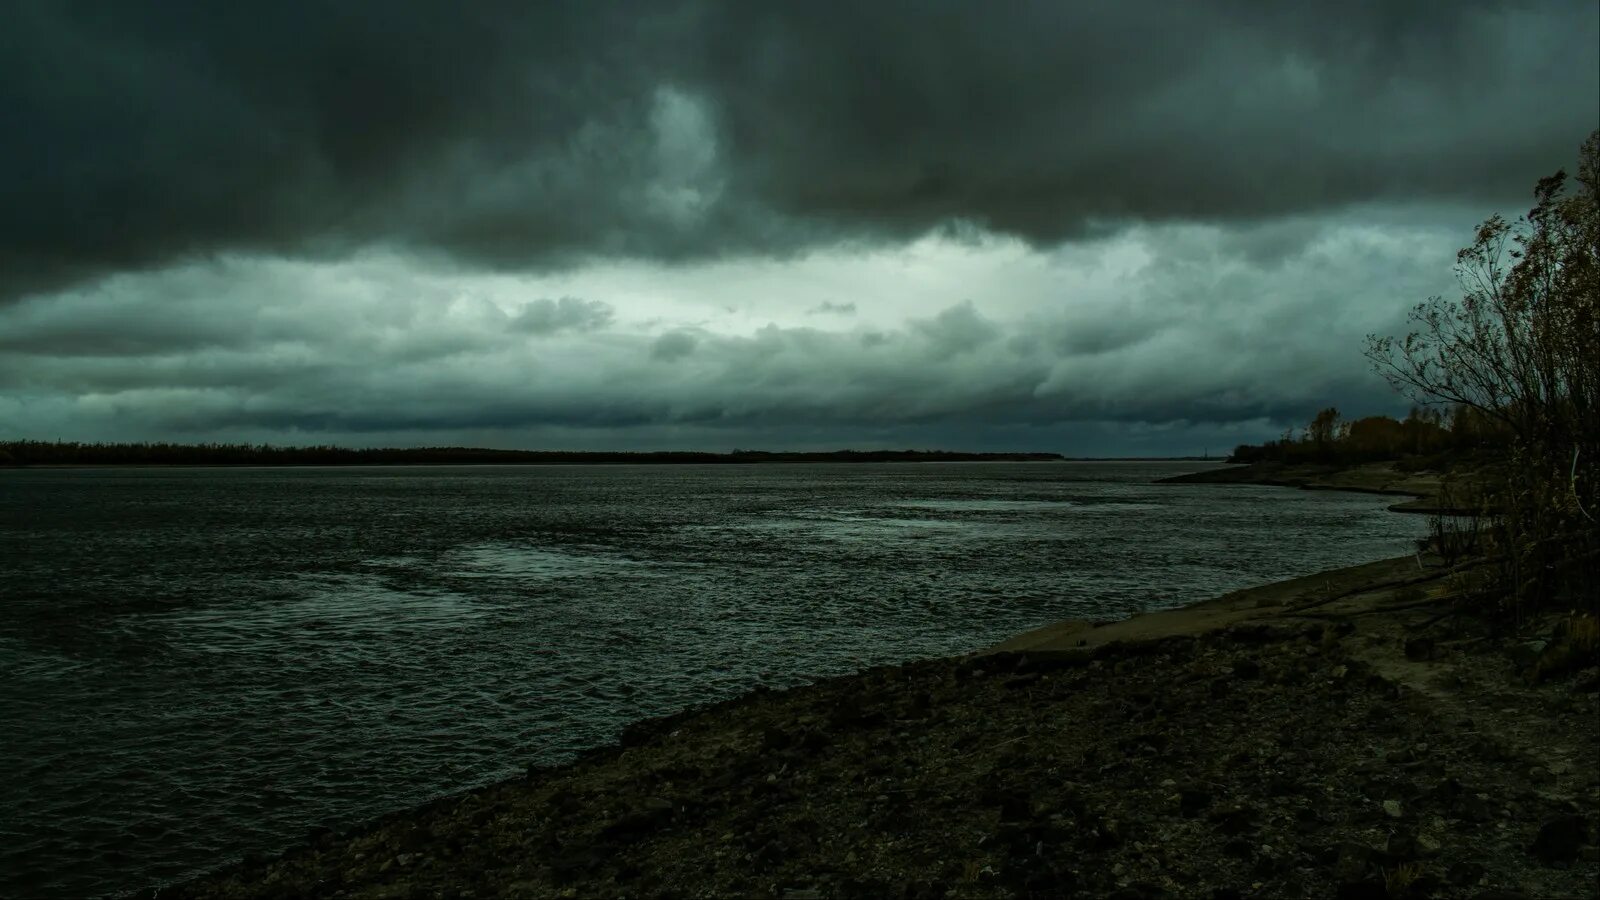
<point>1521,349</point>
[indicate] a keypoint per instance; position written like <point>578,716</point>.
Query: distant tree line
<point>73,453</point>
<point>1427,435</point>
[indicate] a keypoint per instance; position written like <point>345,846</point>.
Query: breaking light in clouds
<point>707,225</point>
<point>956,344</point>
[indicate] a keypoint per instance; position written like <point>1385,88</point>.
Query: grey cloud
<point>249,306</point>
<point>959,329</point>
<point>673,346</point>
<point>507,134</point>
<point>546,316</point>
<point>1080,335</point>
<point>829,308</point>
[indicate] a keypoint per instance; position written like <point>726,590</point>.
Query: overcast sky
<point>1098,229</point>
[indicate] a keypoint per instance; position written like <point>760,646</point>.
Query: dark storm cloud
<point>514,134</point>
<point>140,132</point>
<point>1038,119</point>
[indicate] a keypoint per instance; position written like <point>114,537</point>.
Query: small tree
<point>1522,349</point>
<point>1324,428</point>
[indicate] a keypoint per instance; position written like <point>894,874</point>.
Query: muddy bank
<point>1331,737</point>
<point>1425,488</point>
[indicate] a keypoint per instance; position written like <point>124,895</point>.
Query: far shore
<point>1002,458</point>
<point>1348,733</point>
<point>1425,487</point>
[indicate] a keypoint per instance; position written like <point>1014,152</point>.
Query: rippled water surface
<point>200,662</point>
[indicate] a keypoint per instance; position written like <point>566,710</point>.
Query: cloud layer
<point>1027,225</point>
<point>510,134</point>
<point>1112,334</point>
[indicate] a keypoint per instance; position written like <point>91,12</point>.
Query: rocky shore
<point>1351,734</point>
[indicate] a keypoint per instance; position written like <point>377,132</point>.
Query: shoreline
<point>820,790</point>
<point>1426,488</point>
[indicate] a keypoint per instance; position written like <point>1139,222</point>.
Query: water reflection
<point>205,661</point>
